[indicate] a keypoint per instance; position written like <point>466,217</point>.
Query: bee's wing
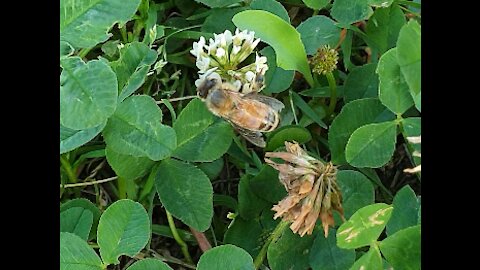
<point>254,137</point>
<point>272,102</point>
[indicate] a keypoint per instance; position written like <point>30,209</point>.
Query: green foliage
<point>132,67</point>
<point>409,58</point>
<point>199,136</point>
<point>266,185</point>
<point>348,12</point>
<point>393,90</point>
<point>370,260</point>
<point>71,139</point>
<point>76,220</point>
<point>290,251</point>
<point>364,227</point>
<point>132,127</point>
<point>405,210</point>
<point>135,129</point>
<point>127,166</point>
<point>361,82</point>
<point>220,19</point>
<point>287,133</point>
<point>277,79</point>
<point>186,192</point>
<point>383,27</point>
<point>75,254</point>
<point>245,234</point>
<point>271,6</point>
<point>326,255</point>
<point>86,205</point>
<point>316,4</point>
<point>225,257</point>
<point>149,264</point>
<point>357,191</point>
<point>86,87</point>
<point>371,145</point>
<point>283,38</point>
<point>124,229</point>
<point>249,204</point>
<point>349,120</point>
<point>217,3</point>
<point>85,23</point>
<point>402,249</point>
<point>317,31</point>
<point>307,110</point>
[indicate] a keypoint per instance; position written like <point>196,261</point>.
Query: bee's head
<point>207,82</point>
<point>204,88</point>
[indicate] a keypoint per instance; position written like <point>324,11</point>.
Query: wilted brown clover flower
<point>312,190</point>
<point>325,60</point>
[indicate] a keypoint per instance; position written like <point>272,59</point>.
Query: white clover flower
<point>254,44</point>
<point>249,76</point>
<point>261,64</point>
<point>198,47</point>
<point>235,49</point>
<point>203,63</point>
<point>220,52</point>
<point>227,52</point>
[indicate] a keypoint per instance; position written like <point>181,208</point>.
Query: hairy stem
<point>176,99</point>
<point>273,237</point>
<point>202,240</point>
<point>89,183</point>
<point>293,108</point>
<point>333,93</point>
<point>177,237</point>
<point>68,169</point>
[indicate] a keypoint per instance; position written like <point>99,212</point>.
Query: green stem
<point>68,169</point>
<point>122,188</point>
<point>123,32</point>
<point>273,237</point>
<point>409,11</point>
<point>137,29</point>
<point>83,52</point>
<point>177,237</point>
<point>315,12</point>
<point>150,212</point>
<point>293,108</point>
<point>333,93</point>
<point>410,3</point>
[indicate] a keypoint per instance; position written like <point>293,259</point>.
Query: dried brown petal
<point>289,157</point>
<point>327,220</point>
<point>312,190</point>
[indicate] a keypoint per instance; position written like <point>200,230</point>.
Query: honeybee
<point>250,114</point>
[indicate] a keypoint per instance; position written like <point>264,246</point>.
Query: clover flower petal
<point>312,190</point>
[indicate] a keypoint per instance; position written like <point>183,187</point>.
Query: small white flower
<point>249,76</point>
<point>250,36</point>
<point>220,52</point>
<point>203,63</point>
<point>227,36</point>
<point>237,84</point>
<point>255,43</point>
<point>261,64</point>
<point>235,49</point>
<point>212,46</point>
<point>198,47</point>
